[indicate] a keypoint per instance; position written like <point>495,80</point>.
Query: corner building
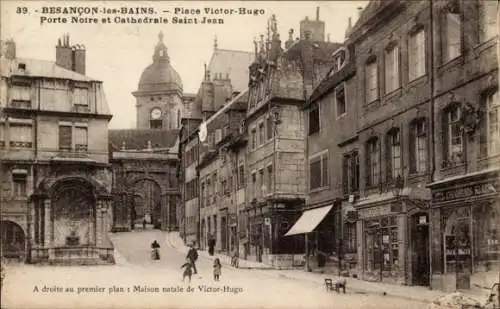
<point>56,181</point>
<point>275,184</point>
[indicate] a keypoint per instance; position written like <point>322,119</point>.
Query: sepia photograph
<point>250,154</point>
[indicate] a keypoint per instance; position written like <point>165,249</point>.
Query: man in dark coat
<point>192,256</point>
<point>211,245</point>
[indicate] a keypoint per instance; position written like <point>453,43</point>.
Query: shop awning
<point>309,220</point>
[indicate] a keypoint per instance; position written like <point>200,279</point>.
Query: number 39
<point>22,10</point>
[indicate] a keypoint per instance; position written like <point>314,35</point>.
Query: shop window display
<point>382,246</point>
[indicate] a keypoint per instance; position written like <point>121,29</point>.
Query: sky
<point>118,53</point>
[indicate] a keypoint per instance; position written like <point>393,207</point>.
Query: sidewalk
<point>175,241</point>
<point>415,293</point>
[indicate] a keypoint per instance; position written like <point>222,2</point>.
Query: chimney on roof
<point>349,27</point>
<point>360,10</point>
<point>9,49</point>
<point>289,42</point>
<point>316,28</point>
<point>70,57</point>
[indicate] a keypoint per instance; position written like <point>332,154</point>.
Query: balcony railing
<point>22,104</point>
<point>80,151</point>
<point>18,144</point>
<point>77,108</point>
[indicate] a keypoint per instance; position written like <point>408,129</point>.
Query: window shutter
<point>388,156</point>
<point>444,136</point>
<point>367,165</point>
<point>345,175</point>
<point>355,172</point>
<point>483,134</point>
<point>325,181</point>
<point>412,146</point>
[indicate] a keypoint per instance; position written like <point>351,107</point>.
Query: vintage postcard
<point>250,154</point>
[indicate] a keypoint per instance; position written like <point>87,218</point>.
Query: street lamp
<point>398,186</point>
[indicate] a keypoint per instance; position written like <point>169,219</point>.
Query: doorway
<point>420,249</point>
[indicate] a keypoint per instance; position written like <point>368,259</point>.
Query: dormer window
<point>339,58</point>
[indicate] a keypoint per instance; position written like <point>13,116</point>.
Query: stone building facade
<point>56,181</point>
<point>332,161</point>
<point>279,83</point>
<point>225,77</point>
<point>145,160</point>
<point>464,208</point>
<point>144,178</point>
<point>425,90</point>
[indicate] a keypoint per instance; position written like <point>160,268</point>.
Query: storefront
<point>465,215</point>
<point>393,237</point>
<point>268,222</point>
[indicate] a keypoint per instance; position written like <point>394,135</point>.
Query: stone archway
<point>147,202</point>
<point>74,213</point>
<point>70,221</point>
<point>13,240</point>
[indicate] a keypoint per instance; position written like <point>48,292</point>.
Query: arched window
<point>418,146</point>
<point>372,162</point>
<point>393,154</point>
<point>452,135</point>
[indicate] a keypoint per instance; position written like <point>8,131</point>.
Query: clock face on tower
<point>155,113</point>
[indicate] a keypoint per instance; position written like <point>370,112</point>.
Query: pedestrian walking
<point>217,269</point>
<point>234,259</point>
<point>192,256</point>
<point>155,253</point>
<point>188,270</point>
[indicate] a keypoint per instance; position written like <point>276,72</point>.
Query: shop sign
<point>351,216</point>
<point>378,211</point>
<point>449,248</point>
<point>460,193</point>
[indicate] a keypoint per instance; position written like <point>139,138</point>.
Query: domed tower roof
<point>160,75</point>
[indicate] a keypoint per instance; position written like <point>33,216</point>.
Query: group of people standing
<point>190,265</point>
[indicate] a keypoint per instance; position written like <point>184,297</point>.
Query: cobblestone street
<point>107,286</point>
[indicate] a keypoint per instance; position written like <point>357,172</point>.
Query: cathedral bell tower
<point>159,93</point>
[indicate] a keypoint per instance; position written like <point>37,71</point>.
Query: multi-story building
<point>332,162</point>
<point>465,148</point>
<point>145,160</point>
<point>55,175</point>
<point>425,90</point>
<point>218,172</point>
<point>225,77</point>
<point>280,82</point>
<point>392,42</point>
